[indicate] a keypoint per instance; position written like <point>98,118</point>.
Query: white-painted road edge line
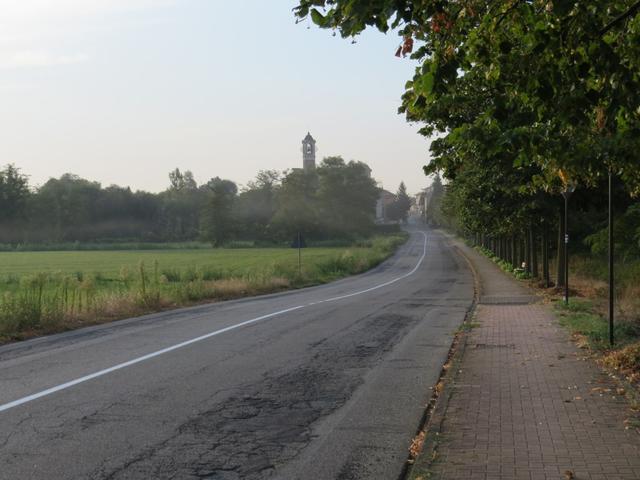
<point>86,378</point>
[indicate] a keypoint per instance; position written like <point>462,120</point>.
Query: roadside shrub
<point>190,274</point>
<point>211,273</point>
<point>191,292</point>
<point>172,274</point>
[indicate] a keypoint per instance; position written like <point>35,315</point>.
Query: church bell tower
<point>308,153</point>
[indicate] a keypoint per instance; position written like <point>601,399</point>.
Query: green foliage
<point>40,301</point>
<point>521,274</point>
<point>468,326</point>
<point>71,213</point>
<point>505,266</point>
<point>399,209</point>
<point>580,316</point>
<point>346,197</point>
<point>14,194</point>
<point>181,182</point>
<point>217,216</point>
<point>524,98</point>
<point>596,267</point>
<point>354,261</point>
<point>626,231</point>
<point>296,205</point>
<point>581,320</point>
<point>256,206</point>
<point>435,212</point>
<point>337,200</point>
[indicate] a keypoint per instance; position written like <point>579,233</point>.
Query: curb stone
<point>435,412</point>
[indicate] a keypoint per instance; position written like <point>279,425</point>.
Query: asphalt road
<point>321,383</point>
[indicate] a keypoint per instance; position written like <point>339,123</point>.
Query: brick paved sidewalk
<point>525,404</point>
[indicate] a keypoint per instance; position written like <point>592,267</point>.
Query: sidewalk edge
<point>431,424</point>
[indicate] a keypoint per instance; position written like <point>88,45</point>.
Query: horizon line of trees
<point>335,201</point>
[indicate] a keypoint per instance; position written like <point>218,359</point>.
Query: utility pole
<point>611,245</point>
<point>569,188</point>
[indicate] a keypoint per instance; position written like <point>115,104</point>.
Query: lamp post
<point>569,188</point>
<point>611,277</point>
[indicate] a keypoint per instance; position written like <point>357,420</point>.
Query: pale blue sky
<point>122,91</point>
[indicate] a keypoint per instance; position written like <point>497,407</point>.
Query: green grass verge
<point>581,317</point>
<point>505,266</point>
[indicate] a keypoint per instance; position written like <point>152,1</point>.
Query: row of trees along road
<point>337,200</point>
<point>525,99</point>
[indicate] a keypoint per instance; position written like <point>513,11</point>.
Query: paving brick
<point>522,404</point>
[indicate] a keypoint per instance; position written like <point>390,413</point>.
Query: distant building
<point>422,200</point>
<point>385,199</point>
<point>308,153</point>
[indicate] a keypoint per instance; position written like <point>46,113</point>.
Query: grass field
<point>44,292</point>
<point>110,264</point>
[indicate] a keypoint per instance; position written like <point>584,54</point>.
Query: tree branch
<point>504,14</point>
<point>632,11</point>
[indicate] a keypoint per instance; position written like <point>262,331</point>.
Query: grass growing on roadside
<point>578,316</point>
<point>468,326</point>
<point>592,329</point>
<point>582,318</point>
<point>44,292</point>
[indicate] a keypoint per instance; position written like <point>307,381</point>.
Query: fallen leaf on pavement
<point>416,445</point>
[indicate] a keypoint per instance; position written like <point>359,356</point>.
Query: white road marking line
<point>86,378</point>
<point>402,277</point>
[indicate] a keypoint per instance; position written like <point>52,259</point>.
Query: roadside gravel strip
<point>332,386</point>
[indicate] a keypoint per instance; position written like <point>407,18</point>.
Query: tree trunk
<point>505,240</point>
<point>521,254</point>
<point>527,250</point>
<point>533,241</point>
<point>545,255</point>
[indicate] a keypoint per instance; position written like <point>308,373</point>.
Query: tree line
<point>336,200</point>
<point>525,100</point>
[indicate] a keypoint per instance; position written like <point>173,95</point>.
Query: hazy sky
<point>123,91</point>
